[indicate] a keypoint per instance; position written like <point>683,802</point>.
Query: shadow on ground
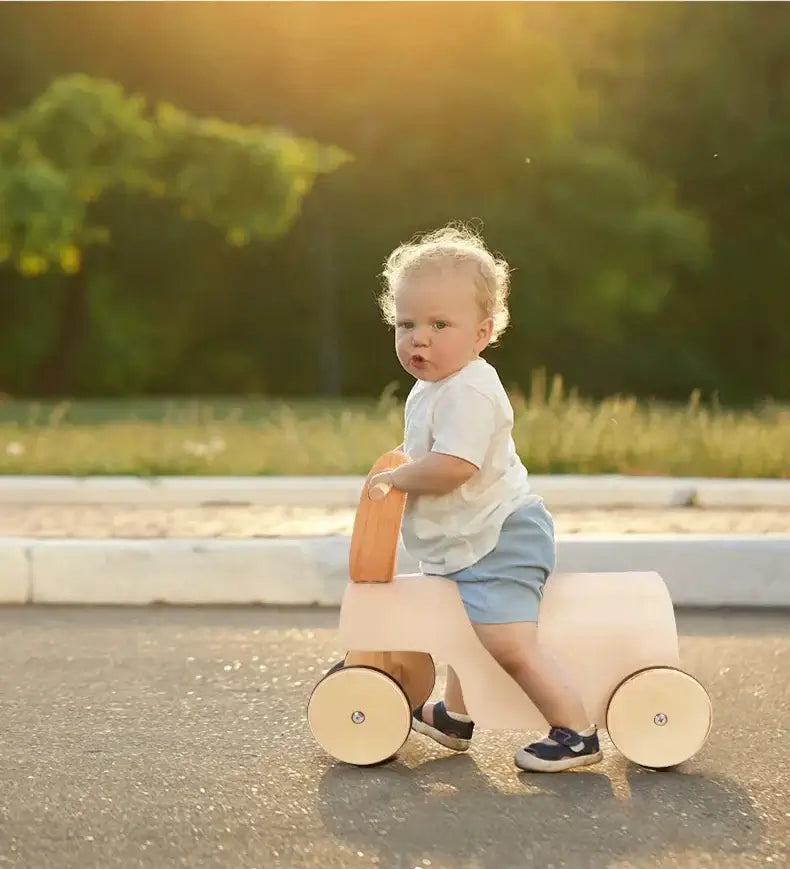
<point>448,809</point>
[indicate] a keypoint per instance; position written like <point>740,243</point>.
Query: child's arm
<point>434,474</point>
<point>465,421</point>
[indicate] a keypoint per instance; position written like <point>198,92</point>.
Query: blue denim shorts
<point>507,584</point>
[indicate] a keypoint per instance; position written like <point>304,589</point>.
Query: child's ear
<point>484,332</point>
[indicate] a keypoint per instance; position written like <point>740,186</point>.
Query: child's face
<point>439,324</point>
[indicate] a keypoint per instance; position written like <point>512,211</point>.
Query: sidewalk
<point>136,521</point>
<point>273,565</point>
<point>558,490</point>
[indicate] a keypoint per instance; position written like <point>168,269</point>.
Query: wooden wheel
<point>659,717</point>
<point>413,671</point>
<point>359,715</point>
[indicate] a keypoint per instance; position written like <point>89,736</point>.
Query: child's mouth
<point>418,361</point>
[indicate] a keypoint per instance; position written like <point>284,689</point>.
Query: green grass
<point>554,432</point>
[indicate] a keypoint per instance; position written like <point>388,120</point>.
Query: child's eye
<point>405,324</point>
<point>440,324</point>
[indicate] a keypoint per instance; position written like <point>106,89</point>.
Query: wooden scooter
<point>614,632</point>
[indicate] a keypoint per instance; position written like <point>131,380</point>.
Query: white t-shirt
<point>467,415</point>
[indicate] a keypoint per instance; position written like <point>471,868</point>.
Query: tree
<point>84,139</point>
<point>701,94</point>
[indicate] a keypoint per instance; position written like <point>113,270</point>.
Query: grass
<point>555,433</point>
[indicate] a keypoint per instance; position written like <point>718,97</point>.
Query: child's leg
<point>453,695</point>
<point>453,698</point>
<point>572,740</point>
<point>447,721</point>
<point>515,647</point>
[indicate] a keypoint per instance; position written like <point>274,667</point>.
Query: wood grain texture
<point>374,539</point>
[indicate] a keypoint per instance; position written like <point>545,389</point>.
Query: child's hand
<point>380,485</point>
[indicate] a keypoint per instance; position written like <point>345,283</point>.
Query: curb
<point>700,570</point>
<point>559,491</point>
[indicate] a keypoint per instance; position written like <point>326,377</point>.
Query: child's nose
<point>420,336</point>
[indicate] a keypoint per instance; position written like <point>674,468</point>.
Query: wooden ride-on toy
<point>614,632</point>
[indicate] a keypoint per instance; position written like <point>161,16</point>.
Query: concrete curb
<point>699,570</point>
<point>16,584</point>
<point>559,491</point>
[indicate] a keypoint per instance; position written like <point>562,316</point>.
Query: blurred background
<point>630,161</point>
<point>197,198</point>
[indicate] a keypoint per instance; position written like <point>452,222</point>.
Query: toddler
<point>470,515</point>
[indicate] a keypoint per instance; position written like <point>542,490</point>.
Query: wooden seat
<point>600,626</point>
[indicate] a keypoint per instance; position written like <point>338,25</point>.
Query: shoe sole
<point>537,764</point>
<point>453,742</point>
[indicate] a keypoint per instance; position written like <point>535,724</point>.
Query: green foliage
<point>83,137</point>
<point>78,139</point>
<point>701,93</point>
<point>91,132</point>
<point>41,220</point>
<point>632,234</point>
<point>244,180</point>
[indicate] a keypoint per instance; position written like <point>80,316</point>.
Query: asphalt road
<point>177,737</point>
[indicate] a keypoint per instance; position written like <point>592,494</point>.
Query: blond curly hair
<point>457,245</point>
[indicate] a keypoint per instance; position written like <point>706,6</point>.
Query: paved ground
<point>120,521</point>
<point>164,737</point>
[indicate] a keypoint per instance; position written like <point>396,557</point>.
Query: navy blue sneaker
<point>562,749</point>
<point>448,729</point>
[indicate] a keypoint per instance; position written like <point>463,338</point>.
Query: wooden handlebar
<point>374,540</point>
